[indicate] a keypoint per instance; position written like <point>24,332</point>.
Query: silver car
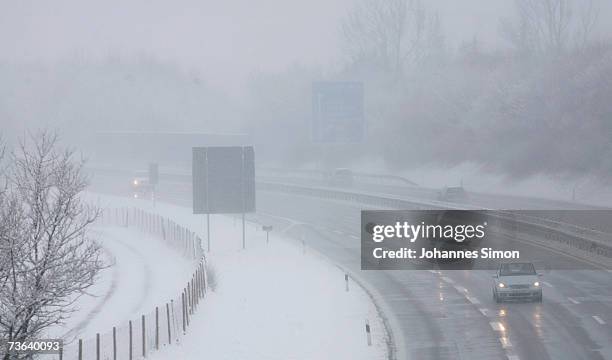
<point>517,281</point>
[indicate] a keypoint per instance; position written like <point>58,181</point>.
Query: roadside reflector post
<point>346,280</point>
<point>368,333</point>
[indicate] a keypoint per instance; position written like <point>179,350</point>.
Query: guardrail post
<point>80,349</point>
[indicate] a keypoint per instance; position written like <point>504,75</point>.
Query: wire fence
<point>168,322</point>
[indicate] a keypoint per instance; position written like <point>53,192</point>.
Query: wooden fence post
<point>168,320</point>
<point>130,352</point>
<point>189,298</point>
<point>183,308</point>
<point>156,328</point>
<point>97,346</point>
<point>114,343</point>
<point>144,335</point>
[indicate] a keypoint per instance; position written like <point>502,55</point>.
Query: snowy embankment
<point>271,301</point>
<point>132,284</point>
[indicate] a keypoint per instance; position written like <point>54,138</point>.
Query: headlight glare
<point>501,285</point>
<point>536,284</point>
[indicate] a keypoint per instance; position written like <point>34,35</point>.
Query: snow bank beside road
<point>137,281</point>
<point>273,301</point>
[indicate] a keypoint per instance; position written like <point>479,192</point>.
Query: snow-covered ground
<point>272,301</point>
<point>133,284</point>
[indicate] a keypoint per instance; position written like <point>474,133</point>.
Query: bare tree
<point>390,34</point>
<point>50,259</point>
<point>550,26</point>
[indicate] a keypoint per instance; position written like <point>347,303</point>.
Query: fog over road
<point>448,314</point>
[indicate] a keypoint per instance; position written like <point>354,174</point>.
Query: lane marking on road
<point>505,342</point>
<point>338,232</point>
<point>473,300</point>
<point>448,280</point>
<point>432,271</point>
<point>547,284</point>
<point>599,320</point>
<point>513,357</point>
<point>497,326</point>
<point>573,301</point>
<point>484,312</point>
<point>354,236</point>
<point>461,289</point>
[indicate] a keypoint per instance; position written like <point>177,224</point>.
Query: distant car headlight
<point>536,284</point>
<point>135,182</point>
<point>501,285</point>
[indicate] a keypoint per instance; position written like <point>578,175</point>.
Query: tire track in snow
<point>113,288</point>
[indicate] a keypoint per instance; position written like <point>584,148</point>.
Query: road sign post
<point>223,180</point>
<point>267,229</point>
<point>153,179</point>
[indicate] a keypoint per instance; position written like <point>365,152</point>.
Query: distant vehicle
<point>517,281</point>
<point>141,187</point>
<point>453,194</point>
<point>342,177</point>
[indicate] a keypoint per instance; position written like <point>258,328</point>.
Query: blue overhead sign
<point>338,115</point>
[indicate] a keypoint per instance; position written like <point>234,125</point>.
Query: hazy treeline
<point>116,94</point>
<point>540,104</point>
<point>535,102</point>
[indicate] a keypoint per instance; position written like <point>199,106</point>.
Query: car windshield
<point>517,269</point>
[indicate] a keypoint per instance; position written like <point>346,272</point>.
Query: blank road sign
<point>223,180</point>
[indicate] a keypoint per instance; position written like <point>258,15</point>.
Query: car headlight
<point>135,182</point>
<point>501,285</point>
<point>536,284</point>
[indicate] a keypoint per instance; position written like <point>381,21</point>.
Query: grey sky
<point>224,40</point>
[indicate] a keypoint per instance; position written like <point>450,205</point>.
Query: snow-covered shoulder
<point>272,300</point>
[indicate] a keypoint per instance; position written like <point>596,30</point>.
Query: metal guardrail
<point>586,240</point>
<point>576,237</point>
<point>326,175</point>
